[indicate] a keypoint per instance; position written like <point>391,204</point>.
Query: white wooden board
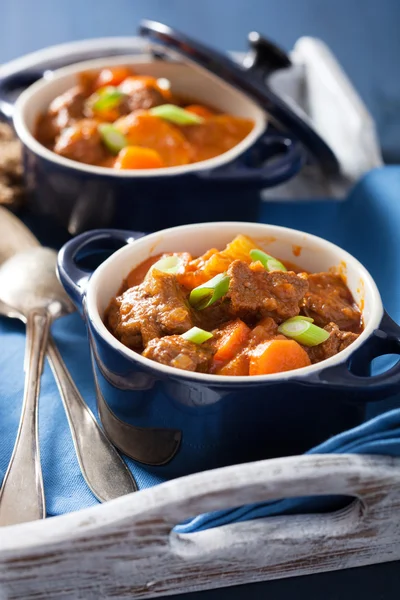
<point>125,548</point>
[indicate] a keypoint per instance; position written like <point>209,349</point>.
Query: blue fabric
<point>366,225</point>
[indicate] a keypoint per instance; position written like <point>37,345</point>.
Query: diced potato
<point>137,157</point>
<point>214,262</point>
<point>218,263</point>
<point>240,247</point>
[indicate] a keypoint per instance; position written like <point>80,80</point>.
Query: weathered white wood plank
<point>125,548</point>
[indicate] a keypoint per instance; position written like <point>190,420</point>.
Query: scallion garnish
<point>300,318</point>
<point>113,139</point>
<point>209,292</point>
<point>106,98</point>
<point>176,115</point>
<point>301,330</point>
<point>197,335</point>
<point>168,264</point>
<point>268,262</point>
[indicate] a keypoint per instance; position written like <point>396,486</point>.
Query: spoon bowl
<point>28,281</point>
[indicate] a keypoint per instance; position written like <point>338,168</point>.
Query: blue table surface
<point>363,34</point>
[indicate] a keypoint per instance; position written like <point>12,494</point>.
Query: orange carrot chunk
<point>137,157</point>
<point>276,356</point>
<point>233,339</point>
<point>239,365</point>
<point>112,76</point>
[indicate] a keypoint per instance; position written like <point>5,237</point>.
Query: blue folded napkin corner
<point>366,225</point>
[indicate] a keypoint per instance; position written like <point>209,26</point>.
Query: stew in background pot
<point>238,311</point>
<point>114,118</point>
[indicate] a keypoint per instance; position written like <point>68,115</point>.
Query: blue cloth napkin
<point>367,225</point>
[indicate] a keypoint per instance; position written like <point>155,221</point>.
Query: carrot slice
<point>237,366</point>
<point>276,356</point>
<point>194,274</point>
<point>137,157</point>
<point>112,76</point>
<point>234,337</point>
<point>143,129</point>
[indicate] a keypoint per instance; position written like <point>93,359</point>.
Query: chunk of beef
<point>329,300</point>
<point>81,142</point>
<point>213,316</point>
<point>63,111</point>
<point>259,293</point>
<point>141,99</point>
<point>47,130</point>
<point>265,330</point>
<point>175,351</point>
<point>337,341</point>
<point>71,104</point>
<point>117,321</point>
<point>150,310</point>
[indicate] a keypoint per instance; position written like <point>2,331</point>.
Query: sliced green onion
<point>206,294</point>
<point>197,335</point>
<point>106,98</point>
<point>168,264</point>
<point>300,318</point>
<point>175,114</point>
<point>268,262</point>
<point>113,139</point>
<point>303,331</point>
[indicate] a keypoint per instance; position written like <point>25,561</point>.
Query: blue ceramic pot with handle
<point>178,422</point>
<point>77,196</point>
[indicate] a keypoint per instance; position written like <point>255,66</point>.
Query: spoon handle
<point>104,471</point>
<point>22,494</point>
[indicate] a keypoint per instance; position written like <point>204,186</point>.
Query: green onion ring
<point>268,262</point>
<point>197,335</point>
<point>304,332</point>
<point>176,115</point>
<point>168,264</point>
<point>112,138</point>
<point>206,294</point>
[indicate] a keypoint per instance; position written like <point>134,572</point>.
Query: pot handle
<point>344,377</point>
<point>273,159</point>
<point>265,56</point>
<point>10,85</point>
<point>74,278</point>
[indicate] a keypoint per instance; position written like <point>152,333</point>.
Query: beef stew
<point>236,312</point>
<point>117,119</point>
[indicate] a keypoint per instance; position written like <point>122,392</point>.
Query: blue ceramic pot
<point>178,422</point>
<point>79,197</point>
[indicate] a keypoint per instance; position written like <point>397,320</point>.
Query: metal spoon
<point>28,285</point>
<point>103,469</point>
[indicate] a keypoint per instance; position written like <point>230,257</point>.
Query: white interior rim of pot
<point>369,283</point>
<point>36,147</point>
